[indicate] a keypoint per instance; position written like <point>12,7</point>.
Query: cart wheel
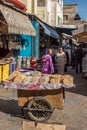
<point>39,109</point>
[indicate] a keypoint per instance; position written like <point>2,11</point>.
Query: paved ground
<point>74,114</point>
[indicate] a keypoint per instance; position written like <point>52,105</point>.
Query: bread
<point>56,75</point>
<point>36,73</point>
<point>35,79</point>
<point>57,78</point>
<point>13,75</point>
<point>44,79</point>
<point>68,79</point>
<point>19,78</point>
<point>28,79</point>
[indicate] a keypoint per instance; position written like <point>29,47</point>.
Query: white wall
<point>51,13</point>
<point>60,12</point>
<point>54,11</point>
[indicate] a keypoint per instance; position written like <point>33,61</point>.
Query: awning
<point>17,4</point>
<point>65,30</point>
<point>18,23</point>
<point>49,30</point>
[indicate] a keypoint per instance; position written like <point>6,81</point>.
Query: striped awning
<point>17,22</point>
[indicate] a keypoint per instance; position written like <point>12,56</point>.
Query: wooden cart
<point>40,104</point>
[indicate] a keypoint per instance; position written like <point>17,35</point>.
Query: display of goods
<point>20,57</point>
<point>28,63</point>
<point>19,62</point>
<point>4,68</point>
<point>24,62</point>
<point>27,80</point>
<point>44,79</point>
<point>36,73</point>
<point>13,75</point>
<point>19,78</point>
<point>68,79</point>
<point>12,67</point>
<point>35,79</point>
<point>49,75</point>
<point>33,62</point>
<point>57,78</point>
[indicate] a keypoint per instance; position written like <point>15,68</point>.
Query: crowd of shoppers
<point>54,63</point>
<point>57,62</point>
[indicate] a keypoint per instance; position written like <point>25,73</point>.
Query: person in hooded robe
<point>47,63</point>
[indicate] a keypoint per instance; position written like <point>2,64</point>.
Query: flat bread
<point>19,78</point>
<point>44,79</point>
<point>13,75</point>
<point>68,79</point>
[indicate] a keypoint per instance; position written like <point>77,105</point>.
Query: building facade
<point>49,11</point>
<point>69,12</point>
<point>71,16</point>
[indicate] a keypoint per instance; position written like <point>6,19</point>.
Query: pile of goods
<point>37,77</point>
<point>26,62</point>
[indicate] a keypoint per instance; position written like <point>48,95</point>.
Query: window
<point>65,17</point>
<point>41,3</point>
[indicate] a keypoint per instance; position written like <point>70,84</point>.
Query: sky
<point>81,8</point>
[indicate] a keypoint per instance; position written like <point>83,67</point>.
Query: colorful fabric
<point>47,64</point>
<point>33,62</point>
<point>36,86</point>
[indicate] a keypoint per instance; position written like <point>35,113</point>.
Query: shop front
<point>30,46</point>
<point>48,37</point>
<point>13,23</point>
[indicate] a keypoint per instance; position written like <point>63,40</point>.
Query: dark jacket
<point>78,54</point>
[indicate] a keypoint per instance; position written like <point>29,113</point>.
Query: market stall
<point>48,37</point>
<point>39,93</point>
<point>12,23</point>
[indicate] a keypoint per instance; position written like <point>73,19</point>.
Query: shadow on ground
<point>10,107</point>
<point>80,82</point>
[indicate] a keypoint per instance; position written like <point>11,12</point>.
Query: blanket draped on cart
<point>36,86</point>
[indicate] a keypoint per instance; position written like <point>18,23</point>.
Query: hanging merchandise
<point>19,61</point>
<point>11,44</point>
<point>28,62</point>
<point>24,62</point>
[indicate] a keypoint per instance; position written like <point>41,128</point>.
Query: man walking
<point>78,55</point>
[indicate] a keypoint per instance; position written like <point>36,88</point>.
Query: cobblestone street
<point>73,115</point>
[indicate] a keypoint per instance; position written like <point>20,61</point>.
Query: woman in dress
<point>60,59</point>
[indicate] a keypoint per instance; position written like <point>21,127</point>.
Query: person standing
<point>47,63</point>
<point>42,49</point>
<point>60,59</point>
<point>78,56</point>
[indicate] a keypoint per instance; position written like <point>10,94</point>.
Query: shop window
<point>65,17</point>
<point>41,3</point>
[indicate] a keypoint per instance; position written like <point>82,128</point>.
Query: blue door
<point>36,39</point>
<point>26,42</point>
